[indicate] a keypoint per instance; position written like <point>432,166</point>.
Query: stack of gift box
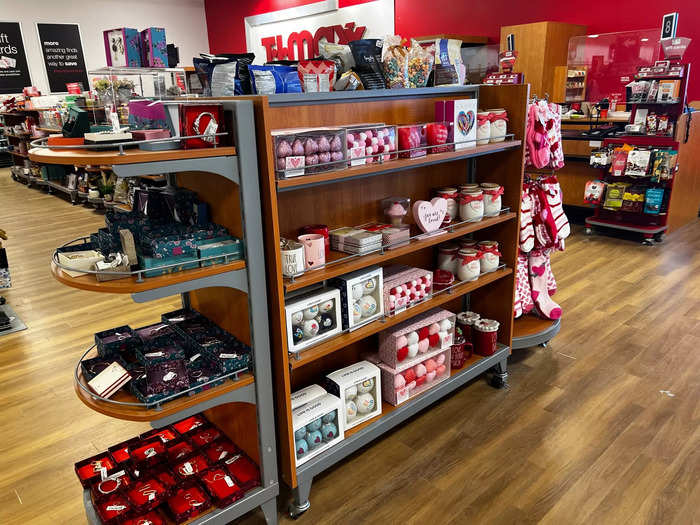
<point>184,352</point>
<point>171,474</point>
<point>164,233</point>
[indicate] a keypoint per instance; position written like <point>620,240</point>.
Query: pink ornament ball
<point>430,376</point>
<point>310,147</point>
<point>441,370</point>
<point>311,160</point>
<point>423,346</point>
<point>399,382</point>
<point>430,365</point>
<point>297,148</point>
<point>401,341</point>
<point>324,157</point>
<point>323,144</point>
<point>281,163</point>
<point>420,370</point>
<point>350,139</point>
<point>440,360</point>
<point>336,156</point>
<point>284,149</point>
<point>434,328</point>
<point>375,149</point>
<point>336,145</point>
<point>363,136</point>
<point>411,385</point>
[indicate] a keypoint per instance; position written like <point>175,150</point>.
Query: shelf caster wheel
<point>544,345</point>
<point>499,378</point>
<point>648,242</point>
<point>297,510</point>
<point>588,231</point>
<point>659,237</point>
<point>2,300</point>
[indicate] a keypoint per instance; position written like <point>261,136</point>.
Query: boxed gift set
<point>422,334</point>
<point>412,141</point>
<point>355,240</point>
<point>405,286</point>
<point>143,480</point>
<point>155,48</point>
<point>312,317</point>
<point>461,114</point>
<point>357,386</point>
<point>122,47</point>
<point>360,296</point>
<point>368,143</point>
<point>302,151</point>
<point>317,423</point>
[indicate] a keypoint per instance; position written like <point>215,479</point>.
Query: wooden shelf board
<point>50,130</point>
<point>387,408</point>
<point>396,165</point>
<point>130,156</point>
<point>134,413</point>
<point>345,339</point>
<point>129,285</point>
<point>18,154</point>
<point>363,261</point>
<point>530,324</point>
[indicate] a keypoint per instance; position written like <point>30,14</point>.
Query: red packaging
<point>91,469</point>
<point>148,454</point>
<point>316,75</point>
<point>191,466</point>
<point>121,453</point>
<point>201,119</point>
<point>437,134</point>
<point>619,162</point>
<point>412,137</point>
<point>221,486</point>
<point>151,518</point>
<point>179,451</point>
<point>114,484</point>
<point>220,449</point>
<point>485,336</point>
<point>187,425</point>
<point>320,229</point>
<point>146,495</point>
<point>442,279</point>
<point>204,436</point>
<point>164,434</point>
<point>189,501</point>
<point>113,510</point>
<point>244,470</point>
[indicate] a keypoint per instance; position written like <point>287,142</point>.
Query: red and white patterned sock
<point>523,293</point>
<point>552,198</point>
<point>538,282</point>
<point>527,230</point>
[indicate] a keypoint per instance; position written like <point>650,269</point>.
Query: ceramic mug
<point>292,258</point>
<point>314,250</point>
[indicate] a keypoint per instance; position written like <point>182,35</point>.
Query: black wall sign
<point>14,71</point>
<point>63,55</point>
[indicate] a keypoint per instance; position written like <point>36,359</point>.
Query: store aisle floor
<point>600,427</point>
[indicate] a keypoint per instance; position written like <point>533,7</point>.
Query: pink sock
<point>527,230</point>
<point>551,281</point>
<point>538,282</point>
<point>523,293</point>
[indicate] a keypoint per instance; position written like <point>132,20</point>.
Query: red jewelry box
<point>146,495</point>
<point>189,500</point>
<point>179,450</point>
<point>221,486</point>
<point>121,453</point>
<point>152,518</point>
<point>204,436</point>
<point>166,477</point>
<point>90,469</point>
<point>148,454</point>
<point>114,484</point>
<point>220,449</point>
<point>164,434</point>
<point>191,466</point>
<point>189,424</point>
<point>244,471</point>
<point>195,119</point>
<point>114,509</point>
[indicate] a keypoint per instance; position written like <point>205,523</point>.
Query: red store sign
<point>302,44</point>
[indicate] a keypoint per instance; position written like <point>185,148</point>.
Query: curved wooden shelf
<point>395,165</point>
<point>130,156</point>
<point>362,261</point>
<point>134,413</point>
<point>347,338</point>
<point>129,285</point>
<point>530,330</point>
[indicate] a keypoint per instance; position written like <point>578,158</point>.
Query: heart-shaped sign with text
<point>429,215</point>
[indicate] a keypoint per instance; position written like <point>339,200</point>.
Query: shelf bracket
<point>224,166</point>
<point>235,279</point>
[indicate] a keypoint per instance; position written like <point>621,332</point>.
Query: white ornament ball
<point>297,317</point>
<point>368,305</point>
<point>356,312</point>
<point>357,291</point>
<point>310,327</point>
<point>445,325</point>
<point>413,350</point>
<point>365,403</point>
<point>351,392</point>
<point>412,338</point>
<point>326,306</point>
<point>311,312</point>
<point>370,285</point>
<point>350,409</point>
<point>365,386</point>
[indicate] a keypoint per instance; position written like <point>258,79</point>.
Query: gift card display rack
<point>352,195</point>
<point>232,294</point>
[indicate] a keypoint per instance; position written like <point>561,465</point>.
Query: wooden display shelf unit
<point>353,196</point>
<point>232,295</point>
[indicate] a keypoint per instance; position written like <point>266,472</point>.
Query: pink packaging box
<point>425,333</point>
<point>405,286</point>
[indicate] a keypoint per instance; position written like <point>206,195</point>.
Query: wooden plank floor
<point>583,435</point>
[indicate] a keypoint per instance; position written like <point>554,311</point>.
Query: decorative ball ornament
<point>310,328</point>
<point>329,418</point>
<point>412,338</point>
<point>326,306</point>
<point>445,325</point>
<point>440,360</point>
<point>365,386</point>
<point>351,392</point>
<point>369,286</point>
<point>368,305</point>
<point>302,447</point>
<point>297,334</point>
<point>413,350</point>
<point>329,431</point>
<point>357,291</point>
<point>434,329</point>
<point>399,383</point>
<point>314,425</point>
<point>365,403</point>
<point>300,433</point>
<point>325,322</point>
<point>356,312</point>
<point>401,341</point>
<point>314,439</point>
<point>310,312</point>
<point>297,317</point>
<point>350,409</point>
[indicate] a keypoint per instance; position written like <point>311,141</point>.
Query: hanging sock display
<point>527,230</point>
<point>546,306</point>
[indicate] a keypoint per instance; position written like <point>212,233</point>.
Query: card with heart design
<point>430,214</point>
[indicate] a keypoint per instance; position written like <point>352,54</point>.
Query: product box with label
<point>423,334</point>
<point>302,151</point>
<point>358,388</point>
<point>154,47</point>
<point>153,267</point>
<point>312,317</point>
<point>360,296</point>
<point>230,249</point>
<point>122,47</point>
<point>318,425</point>
<point>405,286</point>
<point>462,114</point>
<point>368,143</point>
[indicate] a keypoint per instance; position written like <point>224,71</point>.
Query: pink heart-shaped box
<point>429,215</point>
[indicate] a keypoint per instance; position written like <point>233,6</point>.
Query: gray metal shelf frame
<point>540,338</point>
<point>243,170</point>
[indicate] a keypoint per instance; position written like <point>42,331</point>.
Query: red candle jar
<point>320,229</point>
<point>465,321</point>
<point>485,336</point>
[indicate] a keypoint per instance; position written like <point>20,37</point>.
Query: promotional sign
<point>62,51</point>
<point>669,26</point>
<point>14,70</point>
<point>295,33</point>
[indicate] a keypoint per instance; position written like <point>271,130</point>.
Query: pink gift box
<point>396,345</point>
<point>410,294</point>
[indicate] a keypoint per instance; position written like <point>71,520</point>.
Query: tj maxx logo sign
<point>302,45</point>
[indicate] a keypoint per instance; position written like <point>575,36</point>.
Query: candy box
<point>146,494</point>
<point>95,468</point>
<point>191,467</point>
<point>368,143</point>
<point>244,471</point>
<point>114,509</point>
<point>188,501</point>
<point>357,386</point>
<point>360,296</point>
<point>121,452</point>
<point>167,378</point>
<point>110,380</point>
<point>300,151</point>
<point>412,141</point>
<point>116,483</point>
<point>440,135</point>
<point>318,424</point>
<point>164,246</point>
<point>422,334</point>
<point>462,116</point>
<point>312,317</point>
<point>221,486</point>
<point>414,376</point>
<point>154,47</point>
<point>92,367</point>
<point>234,356</point>
<point>154,267</point>
<point>184,426</point>
<point>122,47</point>
<point>405,286</point>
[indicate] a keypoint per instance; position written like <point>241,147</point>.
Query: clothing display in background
<point>543,136</point>
<point>543,229</point>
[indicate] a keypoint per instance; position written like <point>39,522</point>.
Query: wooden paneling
<point>558,93</point>
<point>685,196</point>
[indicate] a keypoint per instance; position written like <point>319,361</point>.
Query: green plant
<point>122,83</point>
<point>101,85</point>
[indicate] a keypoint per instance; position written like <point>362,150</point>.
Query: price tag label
<point>595,143</point>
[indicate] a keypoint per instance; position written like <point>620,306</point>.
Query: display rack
<point>530,330</point>
<point>351,196</point>
<point>232,295</point>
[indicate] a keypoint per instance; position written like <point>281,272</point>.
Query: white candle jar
<point>499,124</point>
<point>471,205</point>
<point>451,195</point>
<point>447,257</point>
<point>468,265</point>
<point>483,128</point>
<point>492,198</point>
<point>490,256</point>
